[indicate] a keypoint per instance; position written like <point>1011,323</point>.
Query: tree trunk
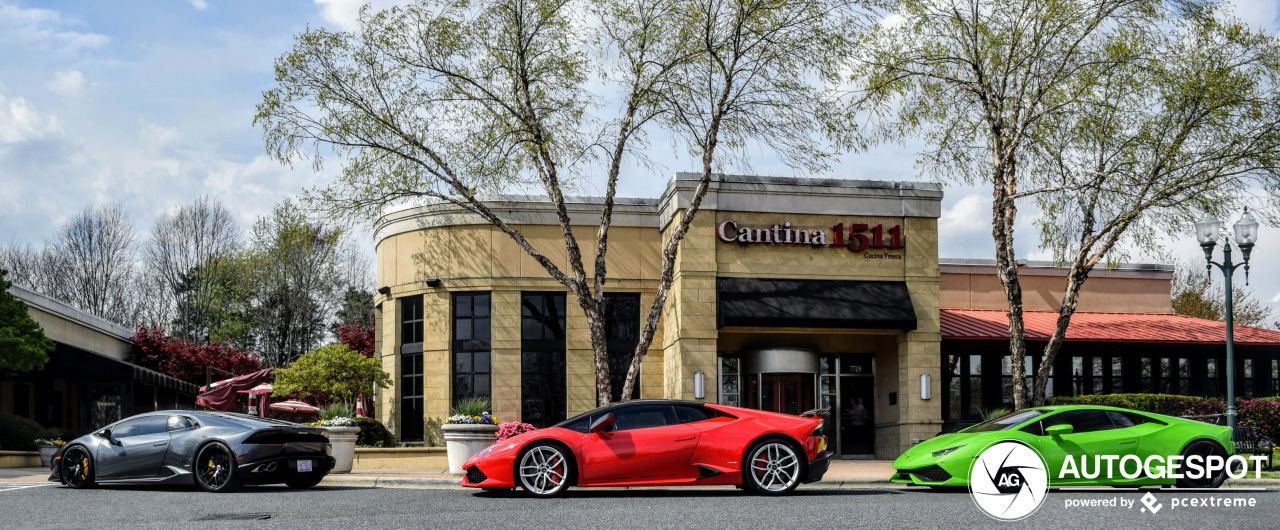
<point>1070,298</point>
<point>1004,213</point>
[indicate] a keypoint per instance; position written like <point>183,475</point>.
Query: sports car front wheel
<point>216,469</point>
<point>773,468</point>
<point>545,470</point>
<point>77,468</point>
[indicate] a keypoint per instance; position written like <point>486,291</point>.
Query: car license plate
<point>304,466</point>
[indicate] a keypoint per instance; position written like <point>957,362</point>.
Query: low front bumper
<point>818,467</point>
<point>933,475</point>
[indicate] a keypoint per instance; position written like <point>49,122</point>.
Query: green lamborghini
<point>1081,446</point>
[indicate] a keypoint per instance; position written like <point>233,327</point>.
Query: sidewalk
<point>841,473</point>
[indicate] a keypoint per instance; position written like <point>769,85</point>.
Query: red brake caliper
<point>556,467</point>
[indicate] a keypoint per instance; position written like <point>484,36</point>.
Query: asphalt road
<point>351,508</point>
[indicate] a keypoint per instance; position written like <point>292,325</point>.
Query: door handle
<point>686,437</point>
<point>1126,442</point>
<point>159,444</point>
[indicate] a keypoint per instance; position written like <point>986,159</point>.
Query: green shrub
<point>472,406</point>
<point>373,433</point>
<point>336,410</point>
<point>19,434</point>
<point>1263,414</point>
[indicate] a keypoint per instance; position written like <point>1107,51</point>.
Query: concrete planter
<point>343,440</point>
<point>46,453</point>
<point>463,440</point>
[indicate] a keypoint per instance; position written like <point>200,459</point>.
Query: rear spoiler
<point>815,412</point>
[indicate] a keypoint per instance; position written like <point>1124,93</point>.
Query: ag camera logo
<point>1008,481</point>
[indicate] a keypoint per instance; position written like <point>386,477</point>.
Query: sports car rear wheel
<point>545,470</point>
<point>77,468</point>
<point>216,469</point>
<point>1205,449</point>
<point>773,468</point>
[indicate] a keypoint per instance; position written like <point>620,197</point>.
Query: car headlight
<point>943,452</point>
<point>486,450</point>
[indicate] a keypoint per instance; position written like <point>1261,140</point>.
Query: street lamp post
<point>1208,232</point>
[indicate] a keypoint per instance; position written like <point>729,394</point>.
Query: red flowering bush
<point>357,336</point>
<point>513,428</point>
<point>188,360</point>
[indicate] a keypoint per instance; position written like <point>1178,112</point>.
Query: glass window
<point>729,390</point>
<point>1116,379</point>
<point>1077,376</point>
<point>1006,422</point>
<point>471,346</point>
<point>542,358</point>
<point>690,414</point>
<point>411,320</point>
<point>411,392</point>
<point>1246,383</point>
<point>643,417</point>
<point>1080,421</point>
<point>178,423</point>
<point>975,386</point>
<point>622,335</point>
<point>141,427</point>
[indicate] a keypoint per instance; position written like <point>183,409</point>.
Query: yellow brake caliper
<point>212,470</point>
<point>84,468</point>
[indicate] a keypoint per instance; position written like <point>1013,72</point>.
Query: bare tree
<point>183,256</point>
<point>1108,113</point>
<point>446,102</point>
<point>93,259</point>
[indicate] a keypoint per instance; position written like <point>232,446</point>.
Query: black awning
<point>779,303</point>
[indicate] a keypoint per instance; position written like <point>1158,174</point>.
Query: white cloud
<point>68,83</point>
<point>968,216</point>
<point>200,5</point>
<point>1261,14</point>
<point>153,137</point>
<point>1275,299</point>
<point>21,122</point>
<point>345,14</point>
<point>43,29</point>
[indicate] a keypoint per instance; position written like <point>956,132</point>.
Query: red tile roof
<point>1101,327</point>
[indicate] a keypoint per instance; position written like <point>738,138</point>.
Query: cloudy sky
<point>150,103</point>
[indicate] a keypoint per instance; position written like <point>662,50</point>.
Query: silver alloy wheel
<point>214,467</point>
<point>775,467</point>
<point>544,470</point>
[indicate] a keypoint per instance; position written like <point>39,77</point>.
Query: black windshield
<point>1006,422</point>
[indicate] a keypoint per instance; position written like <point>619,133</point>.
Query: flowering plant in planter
<point>481,419</point>
<point>340,421</point>
<point>55,443</point>
<point>513,428</point>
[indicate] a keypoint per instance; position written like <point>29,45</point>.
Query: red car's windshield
<point>1006,422</point>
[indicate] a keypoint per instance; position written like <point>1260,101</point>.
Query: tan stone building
<point>788,295</point>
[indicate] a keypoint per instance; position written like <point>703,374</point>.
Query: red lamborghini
<point>659,443</point>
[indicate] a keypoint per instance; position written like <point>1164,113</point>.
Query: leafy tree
<point>23,346</point>
<point>357,306</point>
<point>330,374</point>
<point>186,255</point>
<point>445,102</point>
<point>188,360</point>
<point>1197,294</point>
<point>1108,113</point>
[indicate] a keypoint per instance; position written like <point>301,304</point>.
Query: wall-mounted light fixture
<point>434,282</point>
<point>384,290</point>
<point>924,386</point>
<point>699,385</point>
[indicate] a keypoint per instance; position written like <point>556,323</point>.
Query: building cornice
<point>1150,271</point>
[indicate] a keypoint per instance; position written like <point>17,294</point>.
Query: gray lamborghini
<point>217,451</point>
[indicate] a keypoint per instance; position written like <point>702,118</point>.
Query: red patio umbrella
<point>264,388</point>
<point>222,397</point>
<point>360,408</point>
<point>294,405</point>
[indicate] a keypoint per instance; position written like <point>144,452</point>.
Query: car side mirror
<point>1058,430</point>
<point>602,423</point>
<point>106,433</point>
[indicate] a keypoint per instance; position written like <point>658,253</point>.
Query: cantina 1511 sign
<point>857,237</point>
